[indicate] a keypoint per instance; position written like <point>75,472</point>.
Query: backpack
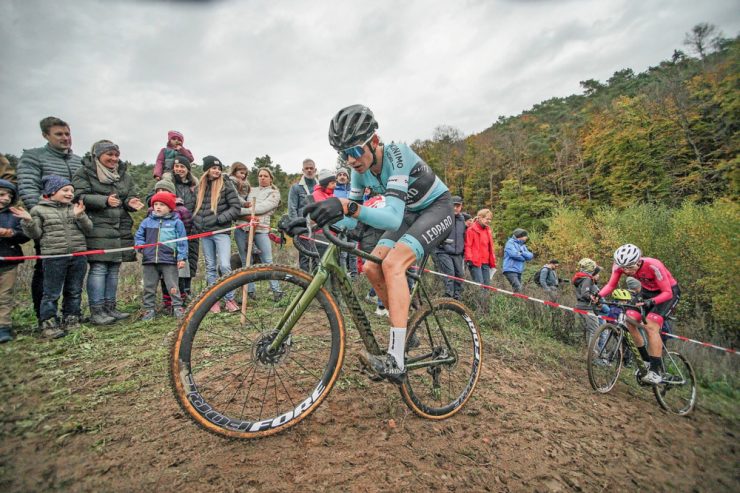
<point>536,278</point>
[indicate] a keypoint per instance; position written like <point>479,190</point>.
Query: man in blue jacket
<point>55,158</point>
<point>515,256</point>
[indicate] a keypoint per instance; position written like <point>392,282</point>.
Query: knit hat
<point>456,199</point>
<point>7,185</point>
<point>180,159</point>
<point>520,233</point>
<point>166,198</point>
<point>586,265</point>
<point>342,169</point>
<point>633,284</point>
<point>166,184</point>
<point>102,146</point>
<point>211,161</point>
<point>326,176</point>
<point>175,134</point>
<point>51,184</point>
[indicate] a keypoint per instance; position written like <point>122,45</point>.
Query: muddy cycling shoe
<point>670,379</point>
<point>652,378</point>
<point>384,366</point>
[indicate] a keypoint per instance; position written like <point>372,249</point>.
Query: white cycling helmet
<point>626,255</point>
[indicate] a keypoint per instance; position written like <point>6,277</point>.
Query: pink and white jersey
<point>653,276</point>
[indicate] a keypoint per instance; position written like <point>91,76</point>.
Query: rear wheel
<point>443,357</point>
<point>677,393</point>
<point>221,372</point>
<point>604,359</point>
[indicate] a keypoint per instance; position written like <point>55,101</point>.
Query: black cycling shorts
<point>424,230</point>
<point>666,308</point>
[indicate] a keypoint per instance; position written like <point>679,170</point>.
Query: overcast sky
<point>242,79</point>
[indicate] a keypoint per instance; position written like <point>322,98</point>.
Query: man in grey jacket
<point>299,196</point>
<point>55,158</point>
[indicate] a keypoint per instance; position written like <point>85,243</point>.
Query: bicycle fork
<point>295,310</point>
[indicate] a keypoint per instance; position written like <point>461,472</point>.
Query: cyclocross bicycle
<point>263,376</point>
<point>606,351</point>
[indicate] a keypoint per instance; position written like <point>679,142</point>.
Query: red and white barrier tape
<point>570,309</point>
<point>440,274</point>
<point>86,253</point>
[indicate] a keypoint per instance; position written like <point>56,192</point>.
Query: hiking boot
<point>384,366</point>
<point>148,315</point>
<point>98,316</point>
<point>50,329</point>
<point>277,295</point>
<point>216,308</point>
<point>252,295</point>
<point>111,311</point>
<point>179,312</point>
<point>71,322</point>
<point>381,312</point>
<point>652,378</point>
<point>231,306</point>
<point>6,334</point>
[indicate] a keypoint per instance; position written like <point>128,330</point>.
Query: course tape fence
<point>553,304</point>
<point>257,225</point>
<point>86,253</point>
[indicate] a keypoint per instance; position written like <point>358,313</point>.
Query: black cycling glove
<point>325,212</point>
<point>293,227</point>
<point>649,305</point>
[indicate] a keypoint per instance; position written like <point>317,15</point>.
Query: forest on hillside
<point>648,158</point>
<point>664,136</point>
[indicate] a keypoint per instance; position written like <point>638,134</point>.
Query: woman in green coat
<point>108,193</point>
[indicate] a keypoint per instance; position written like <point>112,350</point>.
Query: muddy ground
<point>529,427</point>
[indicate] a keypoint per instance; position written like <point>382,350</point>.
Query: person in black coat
<point>217,206</point>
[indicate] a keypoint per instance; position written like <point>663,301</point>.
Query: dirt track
<point>523,430</point>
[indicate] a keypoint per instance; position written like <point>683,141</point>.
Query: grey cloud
<point>244,79</point>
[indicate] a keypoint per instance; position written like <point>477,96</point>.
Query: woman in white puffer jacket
<point>265,200</point>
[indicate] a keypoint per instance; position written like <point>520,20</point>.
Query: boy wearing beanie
<point>60,227</point>
<point>11,238</point>
<point>161,256</point>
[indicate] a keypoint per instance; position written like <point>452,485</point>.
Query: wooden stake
<point>250,242</point>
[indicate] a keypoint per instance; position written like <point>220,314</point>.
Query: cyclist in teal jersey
<point>417,217</point>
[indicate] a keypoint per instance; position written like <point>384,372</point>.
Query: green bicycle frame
<point>329,268</point>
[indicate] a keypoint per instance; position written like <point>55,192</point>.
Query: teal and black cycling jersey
<point>406,181</point>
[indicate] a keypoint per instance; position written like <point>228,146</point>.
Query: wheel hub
<point>261,349</point>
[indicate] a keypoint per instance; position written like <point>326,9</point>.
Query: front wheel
<point>604,361</point>
<point>677,393</point>
<point>443,357</point>
<point>222,371</point>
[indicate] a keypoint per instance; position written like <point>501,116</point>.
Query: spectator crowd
<point>72,204</point>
